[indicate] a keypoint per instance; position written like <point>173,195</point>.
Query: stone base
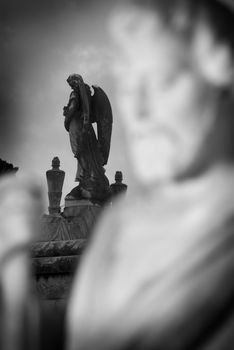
<point>57,252</point>
<point>54,264</point>
<point>54,287</point>
<point>75,208</point>
<point>75,222</point>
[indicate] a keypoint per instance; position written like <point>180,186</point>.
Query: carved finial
<point>55,179</point>
<point>55,163</point>
<point>118,187</point>
<point>118,177</point>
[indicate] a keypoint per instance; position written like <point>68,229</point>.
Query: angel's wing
<point>101,113</point>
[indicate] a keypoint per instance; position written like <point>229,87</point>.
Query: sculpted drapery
<point>91,152</point>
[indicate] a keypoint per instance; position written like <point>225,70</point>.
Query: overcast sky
<point>42,42</point>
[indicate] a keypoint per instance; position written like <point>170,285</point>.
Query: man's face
<point>168,109</point>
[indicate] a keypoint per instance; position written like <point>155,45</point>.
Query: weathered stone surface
<point>55,265</point>
<point>88,210</point>
<point>58,248</point>
<point>54,287</point>
<point>77,203</point>
<point>57,252</point>
<point>77,223</point>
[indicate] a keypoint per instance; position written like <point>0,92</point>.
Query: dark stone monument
<point>55,254</point>
<point>61,242</point>
<point>84,203</point>
<point>55,179</point>
<point>64,234</point>
<point>90,150</point>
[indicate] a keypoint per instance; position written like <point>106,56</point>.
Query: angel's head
<point>177,69</point>
<point>75,80</point>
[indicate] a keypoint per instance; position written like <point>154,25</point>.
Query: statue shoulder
<point>74,96</point>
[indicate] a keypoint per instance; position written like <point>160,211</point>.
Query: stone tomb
<point>63,237</point>
<point>59,248</point>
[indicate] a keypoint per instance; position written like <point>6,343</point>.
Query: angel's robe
<point>158,273</point>
<point>75,124</point>
<point>84,144</point>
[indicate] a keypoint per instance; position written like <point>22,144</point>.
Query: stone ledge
<point>55,265</point>
<point>58,248</point>
<point>89,211</point>
<point>78,203</point>
<point>54,287</point>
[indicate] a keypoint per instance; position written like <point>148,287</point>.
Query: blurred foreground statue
<point>91,152</point>
<point>159,271</point>
<point>20,207</point>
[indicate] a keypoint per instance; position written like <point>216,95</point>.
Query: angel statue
<point>91,151</point>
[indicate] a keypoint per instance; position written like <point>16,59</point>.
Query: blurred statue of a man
<point>159,271</point>
<point>91,152</point>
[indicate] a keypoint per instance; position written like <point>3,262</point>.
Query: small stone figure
<point>92,152</point>
<point>118,187</point>
<point>55,179</point>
